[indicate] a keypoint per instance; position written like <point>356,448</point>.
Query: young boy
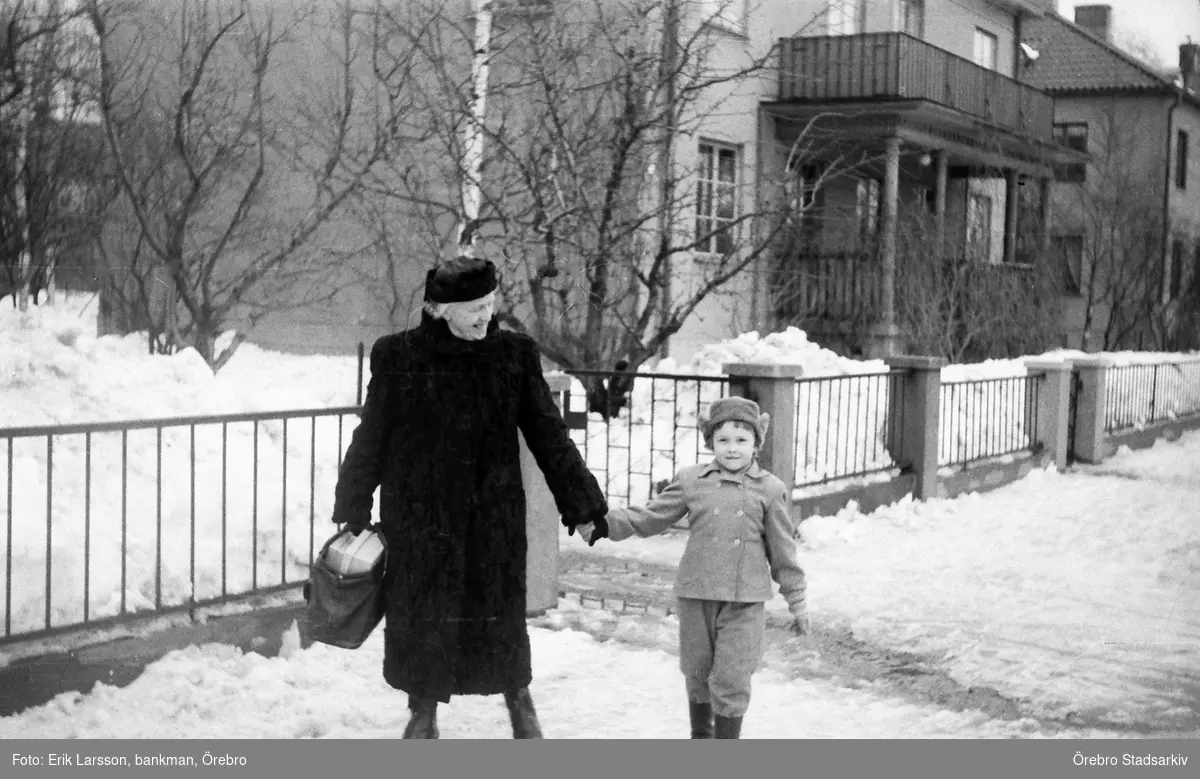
<point>741,536</point>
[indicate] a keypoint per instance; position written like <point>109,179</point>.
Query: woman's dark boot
<point>522,714</point>
<point>729,727</point>
<point>701,715</point>
<point>423,723</point>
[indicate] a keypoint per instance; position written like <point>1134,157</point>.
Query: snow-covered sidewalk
<point>1077,593</point>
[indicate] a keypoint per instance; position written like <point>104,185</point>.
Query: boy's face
<point>733,445</point>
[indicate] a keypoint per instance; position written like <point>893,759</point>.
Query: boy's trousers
<point>720,647</point>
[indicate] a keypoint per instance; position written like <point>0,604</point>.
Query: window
<point>846,17</point>
<point>1073,135</point>
<point>1176,282</point>
<point>1196,273</point>
<point>979,227</point>
<point>716,199</point>
<point>1068,249</point>
<point>911,17</point>
<point>985,48</point>
<point>866,211</point>
<point>1181,159</point>
<point>726,14</point>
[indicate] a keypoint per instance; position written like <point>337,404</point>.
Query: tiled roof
<point>1072,59</point>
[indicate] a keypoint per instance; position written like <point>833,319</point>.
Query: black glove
<point>601,530</point>
<point>355,528</point>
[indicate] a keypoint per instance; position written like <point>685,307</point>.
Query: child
<point>741,533</point>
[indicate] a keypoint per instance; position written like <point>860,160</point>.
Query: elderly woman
<point>439,436</point>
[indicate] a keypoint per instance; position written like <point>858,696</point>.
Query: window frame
<point>986,233</point>
<point>906,12</point>
<point>728,15</point>
<point>1073,172</point>
<point>708,240</point>
<point>1181,158</point>
<point>1072,277</point>
<point>1175,283</point>
<point>982,34</point>
<point>846,17</point>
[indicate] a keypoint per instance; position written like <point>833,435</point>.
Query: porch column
<point>885,331</point>
<point>939,198</point>
<point>1012,197</point>
<point>1044,235</point>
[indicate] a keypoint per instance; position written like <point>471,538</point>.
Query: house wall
<point>1126,137</point>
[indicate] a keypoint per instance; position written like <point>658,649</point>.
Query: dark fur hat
<point>460,280</point>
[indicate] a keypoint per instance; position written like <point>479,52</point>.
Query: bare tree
<point>49,156</point>
<point>588,198</point>
<point>232,167</point>
<point>1112,226</point>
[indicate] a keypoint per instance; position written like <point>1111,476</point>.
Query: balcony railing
<point>895,65</point>
<point>846,287</point>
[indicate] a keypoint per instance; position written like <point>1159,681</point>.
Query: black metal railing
<point>634,452</point>
<point>988,418</point>
<point>844,425</point>
<point>1137,395</point>
<point>899,66</point>
<point>105,520</point>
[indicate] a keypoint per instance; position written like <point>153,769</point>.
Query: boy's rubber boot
<point>423,722</point>
<point>728,727</point>
<point>701,715</point>
<point>522,714</point>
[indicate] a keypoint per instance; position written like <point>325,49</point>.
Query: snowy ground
<point>1074,593</point>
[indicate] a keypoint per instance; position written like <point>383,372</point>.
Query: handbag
<point>344,607</point>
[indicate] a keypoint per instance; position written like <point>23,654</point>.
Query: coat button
<point>741,513</point>
<point>737,542</point>
<point>716,512</point>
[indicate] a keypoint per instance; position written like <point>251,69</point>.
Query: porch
<point>882,132</point>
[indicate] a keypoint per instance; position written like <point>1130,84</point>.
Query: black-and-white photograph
<point>601,369</point>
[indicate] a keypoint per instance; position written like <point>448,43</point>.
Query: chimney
<point>1189,63</point>
<point>1096,19</point>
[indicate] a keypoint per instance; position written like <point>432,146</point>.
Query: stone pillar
<point>773,388</point>
<point>541,522</point>
<point>1053,407</point>
<point>1091,445</point>
<point>913,439</point>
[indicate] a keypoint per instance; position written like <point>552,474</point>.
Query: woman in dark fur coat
<point>438,435</point>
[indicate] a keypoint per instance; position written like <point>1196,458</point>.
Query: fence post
<point>1053,407</point>
<point>541,522</point>
<point>1091,409</point>
<point>773,387</point>
<point>917,406</point>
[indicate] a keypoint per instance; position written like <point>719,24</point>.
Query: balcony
<point>897,66</point>
<point>845,288</point>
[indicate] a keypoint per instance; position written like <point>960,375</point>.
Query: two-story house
<point>1126,225</point>
<point>879,113</point>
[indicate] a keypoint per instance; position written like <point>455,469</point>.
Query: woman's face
<point>469,320</point>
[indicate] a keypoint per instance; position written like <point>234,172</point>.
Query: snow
<point>1073,592</point>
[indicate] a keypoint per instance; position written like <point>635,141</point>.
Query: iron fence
<point>1137,395</point>
<point>110,519</point>
<point>987,418</point>
<point>636,447</point>
<point>846,427</point>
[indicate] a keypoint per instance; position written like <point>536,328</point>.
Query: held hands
<point>593,531</point>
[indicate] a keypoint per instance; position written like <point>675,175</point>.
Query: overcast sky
<point>1160,24</point>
